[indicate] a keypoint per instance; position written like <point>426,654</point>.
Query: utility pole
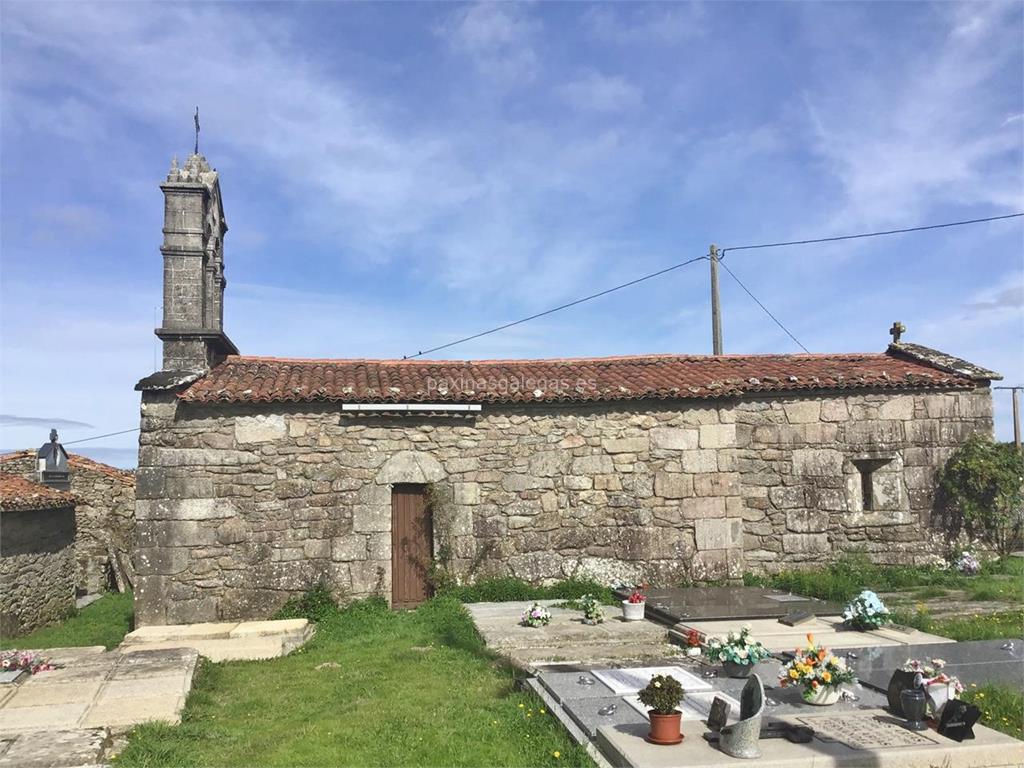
<point>1015,391</point>
<point>716,310</point>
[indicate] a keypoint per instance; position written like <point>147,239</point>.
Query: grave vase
<point>633,611</point>
<point>665,729</point>
<point>732,669</point>
<point>823,695</point>
<point>938,694</point>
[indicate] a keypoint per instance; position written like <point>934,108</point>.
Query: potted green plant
<point>634,605</point>
<point>593,613</point>
<point>819,671</point>
<point>662,696</point>
<point>737,653</point>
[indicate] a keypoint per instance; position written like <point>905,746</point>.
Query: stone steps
<point>225,641</point>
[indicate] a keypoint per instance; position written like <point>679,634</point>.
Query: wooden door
<point>412,545</point>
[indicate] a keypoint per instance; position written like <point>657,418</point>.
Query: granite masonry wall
<point>105,515</point>
<point>240,507</point>
<point>37,568</point>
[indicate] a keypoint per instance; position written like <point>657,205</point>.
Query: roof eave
<point>943,362</point>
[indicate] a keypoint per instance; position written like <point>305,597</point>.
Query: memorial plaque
<point>719,714</point>
<point>958,719</point>
<point>796,618</point>
<point>626,681</point>
<point>866,732</point>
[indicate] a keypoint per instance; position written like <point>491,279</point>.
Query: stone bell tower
<point>194,227</point>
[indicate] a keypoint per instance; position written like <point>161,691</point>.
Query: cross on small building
<point>897,330</point>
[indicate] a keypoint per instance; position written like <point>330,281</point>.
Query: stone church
<point>261,476</point>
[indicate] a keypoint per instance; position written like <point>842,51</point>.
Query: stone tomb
<point>973,661</point>
<point>673,605</point>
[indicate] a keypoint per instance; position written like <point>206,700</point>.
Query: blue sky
<point>399,175</point>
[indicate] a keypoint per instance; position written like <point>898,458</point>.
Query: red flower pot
<point>665,729</point>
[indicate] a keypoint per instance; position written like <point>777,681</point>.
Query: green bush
<point>316,604</point>
<point>982,490</point>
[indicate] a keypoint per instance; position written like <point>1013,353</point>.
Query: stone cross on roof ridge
<point>897,330</point>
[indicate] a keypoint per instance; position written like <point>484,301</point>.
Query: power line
<point>762,306</point>
<point>722,253</point>
<point>871,234</point>
<point>555,309</point>
<point>98,437</point>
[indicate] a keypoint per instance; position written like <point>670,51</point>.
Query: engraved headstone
<point>958,719</point>
<point>866,731</point>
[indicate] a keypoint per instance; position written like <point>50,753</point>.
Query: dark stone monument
<point>796,617</point>
<point>719,714</point>
<point>899,682</point>
<point>958,719</point>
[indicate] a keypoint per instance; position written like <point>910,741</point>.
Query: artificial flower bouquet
<point>967,564</point>
<point>535,616</point>
<point>736,648</point>
<point>693,644</point>
<point>866,611</point>
<point>593,612</point>
<point>28,661</point>
<point>637,594</point>
<point>816,669</point>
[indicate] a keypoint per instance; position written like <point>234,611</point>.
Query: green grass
<point>1001,707</point>
<point>1001,580</point>
<point>104,622</point>
<point>409,688</point>
<point>974,626</point>
<point>505,589</point>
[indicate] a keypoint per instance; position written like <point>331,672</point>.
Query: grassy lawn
<point>402,688</point>
<point>104,622</point>
<point>1001,707</point>
<point>1001,580</point>
<point>973,626</point>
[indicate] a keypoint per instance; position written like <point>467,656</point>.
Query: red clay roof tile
<point>19,494</point>
<point>660,377</point>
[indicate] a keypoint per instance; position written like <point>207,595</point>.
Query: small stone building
<point>105,516</point>
<point>261,476</point>
<point>37,555</point>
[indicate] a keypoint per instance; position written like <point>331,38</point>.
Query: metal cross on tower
<point>897,330</point>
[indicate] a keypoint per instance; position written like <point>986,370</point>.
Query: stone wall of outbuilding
<point>105,515</point>
<point>240,507</point>
<point>37,568</point>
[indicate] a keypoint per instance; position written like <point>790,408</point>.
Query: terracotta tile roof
<point>264,379</point>
<point>17,494</point>
<point>76,461</point>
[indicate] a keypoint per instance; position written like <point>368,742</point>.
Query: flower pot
<point>633,611</point>
<point>665,729</point>
<point>938,694</point>
<point>693,651</point>
<point>732,669</point>
<point>822,696</point>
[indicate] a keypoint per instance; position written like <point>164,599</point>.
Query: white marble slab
<point>627,681</point>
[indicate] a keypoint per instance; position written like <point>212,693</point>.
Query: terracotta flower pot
<point>633,611</point>
<point>822,696</point>
<point>732,669</point>
<point>665,729</point>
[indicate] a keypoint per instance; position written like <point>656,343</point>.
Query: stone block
<point>899,408</point>
<point>317,549</point>
<point>573,483</point>
<point>348,548</point>
<point>803,411</point>
<point>410,467</point>
<point>834,410</point>
<point>806,521</point>
<point>940,406</point>
<point>674,438</point>
<point>709,507</point>
<point>787,496</point>
<point>297,427</point>
<point>817,462</point>
<point>718,533</point>
<point>717,484</point>
<point>260,429</point>
<point>548,463</point>
<point>367,518</point>
<point>717,435</point>
<point>593,465</point>
<point>806,543</point>
<point>698,461</point>
<point>202,509</point>
<point>668,485</point>
<point>516,483</point>
<point>466,493</point>
<point>626,445</point>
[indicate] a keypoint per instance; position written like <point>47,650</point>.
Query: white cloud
<point>647,23</point>
<point>498,37</point>
<point>603,93</point>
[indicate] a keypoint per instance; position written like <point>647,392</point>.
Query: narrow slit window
<point>867,487</point>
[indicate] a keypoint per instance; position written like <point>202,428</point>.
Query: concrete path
<point>224,641</point>
<point>567,639</point>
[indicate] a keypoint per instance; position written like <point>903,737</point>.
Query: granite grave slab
<point>591,714</point>
<point>973,661</point>
<point>673,605</point>
<point>571,686</point>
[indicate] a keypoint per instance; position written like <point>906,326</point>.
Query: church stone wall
<point>240,507</point>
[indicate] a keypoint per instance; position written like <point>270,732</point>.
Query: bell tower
<point>193,249</point>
